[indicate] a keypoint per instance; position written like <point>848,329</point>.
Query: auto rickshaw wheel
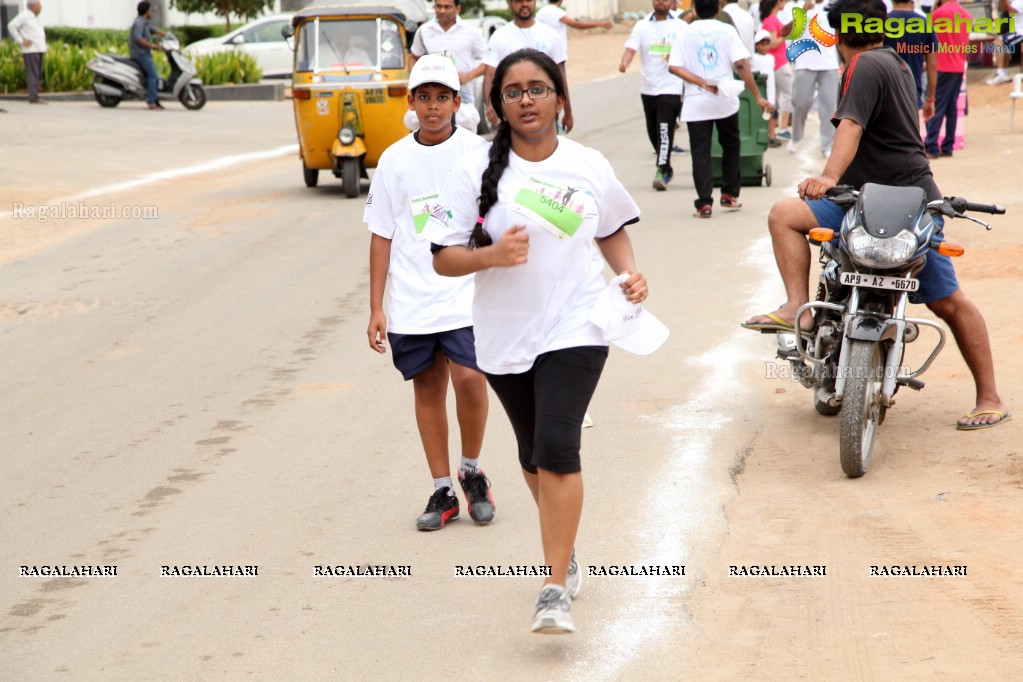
<point>350,176</point>
<point>310,175</point>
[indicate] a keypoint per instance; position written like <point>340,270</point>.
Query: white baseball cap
<point>761,35</point>
<point>626,324</point>
<point>433,68</point>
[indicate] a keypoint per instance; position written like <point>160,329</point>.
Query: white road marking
<point>172,174</point>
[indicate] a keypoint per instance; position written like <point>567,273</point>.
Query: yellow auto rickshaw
<point>350,84</point>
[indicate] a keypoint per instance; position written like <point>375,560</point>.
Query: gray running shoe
<point>553,612</point>
<point>574,581</point>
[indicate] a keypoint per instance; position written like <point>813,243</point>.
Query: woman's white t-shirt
<point>544,304</point>
<point>404,191</point>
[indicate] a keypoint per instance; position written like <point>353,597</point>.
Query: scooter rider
<point>140,46</point>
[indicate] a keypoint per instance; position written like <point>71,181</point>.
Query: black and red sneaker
<point>728,201</point>
<point>703,212</point>
<point>477,494</point>
<point>441,508</point>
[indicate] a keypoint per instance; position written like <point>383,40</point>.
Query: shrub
<point>65,66</point>
<point>190,34</point>
<point>227,67</point>
<point>87,37</point>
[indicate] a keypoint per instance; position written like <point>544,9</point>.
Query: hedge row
<point>95,37</point>
<point>64,67</point>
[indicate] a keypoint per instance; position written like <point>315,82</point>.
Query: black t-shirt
<point>879,94</point>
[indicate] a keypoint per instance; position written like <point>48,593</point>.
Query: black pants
<point>33,73</point>
<point>703,176</point>
<point>546,405</point>
<point>661,112</point>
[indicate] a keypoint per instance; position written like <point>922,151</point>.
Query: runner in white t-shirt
<point>523,32</point>
<point>706,56</point>
<point>557,18</point>
<point>660,91</point>
<point>446,35</point>
<point>430,325</point>
<point>532,218</point>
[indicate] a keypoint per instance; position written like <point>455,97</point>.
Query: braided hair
<point>500,148</point>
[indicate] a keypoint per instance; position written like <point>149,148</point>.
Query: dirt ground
<point>933,495</point>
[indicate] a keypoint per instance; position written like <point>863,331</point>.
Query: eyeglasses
<point>535,92</point>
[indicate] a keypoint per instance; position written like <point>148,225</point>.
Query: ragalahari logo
<point>817,36</point>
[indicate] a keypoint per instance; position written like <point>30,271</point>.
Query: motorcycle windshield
<point>349,45</point>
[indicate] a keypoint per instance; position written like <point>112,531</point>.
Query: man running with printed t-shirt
<point>660,91</point>
<point>524,32</point>
<point>878,140</point>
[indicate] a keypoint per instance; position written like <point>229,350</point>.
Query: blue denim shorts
<point>937,278</point>
<point>413,353</point>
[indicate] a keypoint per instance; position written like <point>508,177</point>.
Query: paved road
<point>195,389</point>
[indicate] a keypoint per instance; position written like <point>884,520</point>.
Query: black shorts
<point>412,353</point>
<point>546,405</point>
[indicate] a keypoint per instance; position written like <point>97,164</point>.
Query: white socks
<point>445,482</point>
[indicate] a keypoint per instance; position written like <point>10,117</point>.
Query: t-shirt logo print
<point>818,35</point>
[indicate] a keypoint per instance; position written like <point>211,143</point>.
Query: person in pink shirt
<point>782,69</point>
<point>951,70</point>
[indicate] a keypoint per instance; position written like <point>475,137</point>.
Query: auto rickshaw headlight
<point>346,135</point>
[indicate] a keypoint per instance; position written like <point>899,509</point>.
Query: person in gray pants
<point>815,71</point>
<point>28,32</point>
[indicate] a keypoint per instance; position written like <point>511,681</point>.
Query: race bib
<point>558,210</point>
<point>422,206</point>
<point>660,49</point>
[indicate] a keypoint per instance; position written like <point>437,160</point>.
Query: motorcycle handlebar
<point>962,205</point>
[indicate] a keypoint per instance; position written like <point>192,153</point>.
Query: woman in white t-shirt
<point>532,217</point>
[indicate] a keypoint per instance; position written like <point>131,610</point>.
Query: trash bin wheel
<point>767,174</point>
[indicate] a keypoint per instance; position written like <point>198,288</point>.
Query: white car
<point>261,39</point>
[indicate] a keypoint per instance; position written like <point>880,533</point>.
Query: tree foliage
<point>246,9</point>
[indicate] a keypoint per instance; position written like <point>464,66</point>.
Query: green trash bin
<point>752,141</point>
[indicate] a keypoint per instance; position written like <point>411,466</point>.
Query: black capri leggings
<point>546,405</point>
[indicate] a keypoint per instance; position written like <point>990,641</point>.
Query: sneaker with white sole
<point>553,612</point>
<point>999,78</point>
<point>574,579</point>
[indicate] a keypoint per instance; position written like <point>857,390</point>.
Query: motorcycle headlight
<point>881,253</point>
<point>346,135</point>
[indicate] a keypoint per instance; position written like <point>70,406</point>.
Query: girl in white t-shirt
<point>532,218</point>
<point>430,325</point>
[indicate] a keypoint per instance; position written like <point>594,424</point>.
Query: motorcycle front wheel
<point>192,96</point>
<point>861,406</point>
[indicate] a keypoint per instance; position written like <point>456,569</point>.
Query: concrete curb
<point>265,91</point>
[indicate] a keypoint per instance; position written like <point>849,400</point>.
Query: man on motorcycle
<point>877,140</point>
<point>140,46</point>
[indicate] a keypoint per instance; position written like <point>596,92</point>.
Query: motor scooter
<point>116,78</point>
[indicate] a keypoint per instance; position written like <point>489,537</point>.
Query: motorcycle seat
<point>125,60</point>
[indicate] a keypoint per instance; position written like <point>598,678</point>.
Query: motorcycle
<point>116,78</point>
<point>852,357</point>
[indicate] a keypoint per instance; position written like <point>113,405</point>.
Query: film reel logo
<point>818,36</point>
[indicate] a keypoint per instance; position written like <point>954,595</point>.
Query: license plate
<point>857,279</point>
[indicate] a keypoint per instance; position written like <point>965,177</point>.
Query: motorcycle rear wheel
<point>192,97</point>
<point>861,407</point>
<point>107,101</point>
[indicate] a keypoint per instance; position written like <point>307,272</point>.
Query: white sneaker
<point>574,580</point>
<point>553,612</point>
<point>826,152</point>
<point>792,146</point>
<point>999,78</point>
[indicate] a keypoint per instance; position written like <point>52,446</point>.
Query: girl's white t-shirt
<point>544,304</point>
<point>404,190</point>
